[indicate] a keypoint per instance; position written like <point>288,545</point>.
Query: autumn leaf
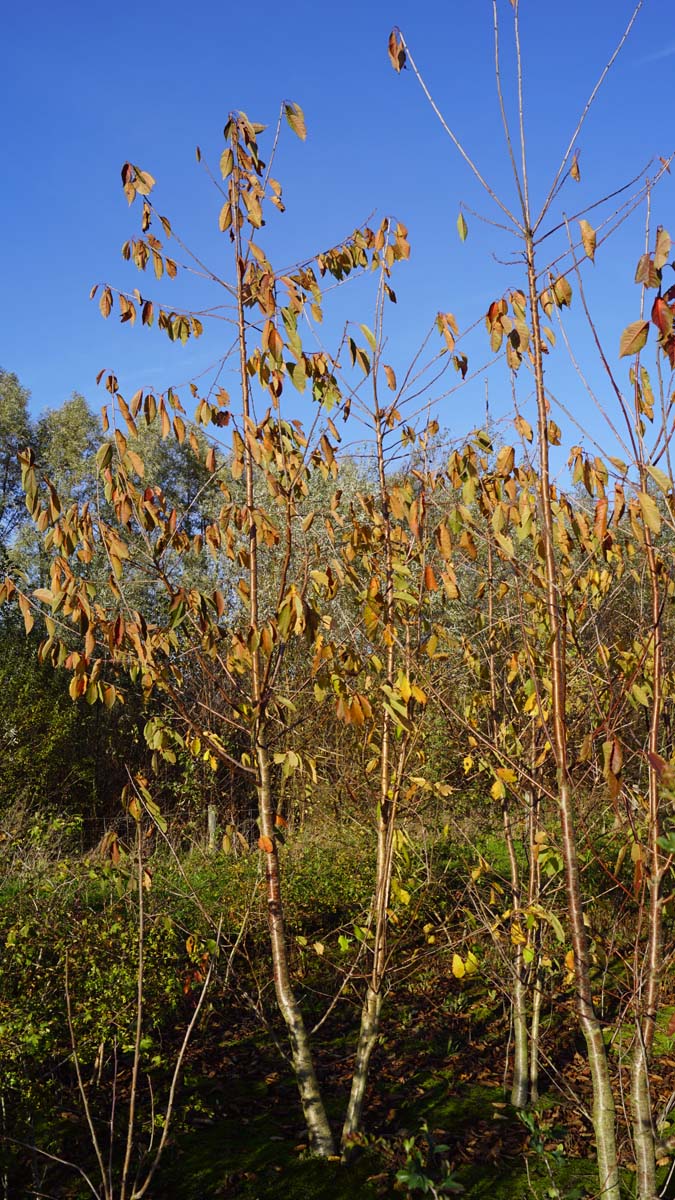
<point>430,579</point>
<point>562,292</point>
<point>664,481</point>
<point>588,239</point>
<point>663,246</point>
<point>462,227</point>
<point>650,512</point>
<point>391,377</point>
<point>105,303</point>
<point>396,51</point>
<point>296,119</point>
<point>266,844</point>
<point>633,338</point>
<point>662,316</point>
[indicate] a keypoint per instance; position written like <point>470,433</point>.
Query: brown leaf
<point>391,377</point>
<point>562,292</point>
<point>633,338</point>
<point>663,246</point>
<point>430,579</point>
<point>588,239</point>
<point>296,119</point>
<point>657,764</point>
<point>396,51</point>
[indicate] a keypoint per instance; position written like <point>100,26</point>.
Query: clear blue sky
<point>89,85</point>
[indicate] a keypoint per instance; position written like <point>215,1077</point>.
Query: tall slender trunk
<point>604,1117</point>
<point>519,1083</point>
<point>534,892</point>
<point>390,784</point>
<point>647,981</point>
<point>316,1119</point>
<point>318,1127</point>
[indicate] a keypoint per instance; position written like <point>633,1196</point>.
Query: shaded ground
<point>443,1072</point>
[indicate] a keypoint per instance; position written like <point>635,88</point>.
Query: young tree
<point>516,320</point>
<point>228,647</point>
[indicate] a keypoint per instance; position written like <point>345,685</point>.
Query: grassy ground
<point>437,1115</point>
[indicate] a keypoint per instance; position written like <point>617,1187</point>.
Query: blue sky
<point>89,85</point>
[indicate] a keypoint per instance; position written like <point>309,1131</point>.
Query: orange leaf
<point>266,844</point>
<point>430,579</point>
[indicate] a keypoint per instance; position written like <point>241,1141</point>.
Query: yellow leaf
<point>650,512</point>
<point>524,428</point>
<point>633,338</point>
<point>391,377</point>
<point>588,239</point>
<point>458,968</point>
<point>296,119</point>
<point>517,936</point>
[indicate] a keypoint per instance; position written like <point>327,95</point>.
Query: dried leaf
<point>296,119</point>
<point>663,246</point>
<point>430,579</point>
<point>650,512</point>
<point>396,51</point>
<point>633,338</point>
<point>588,239</point>
<point>391,377</point>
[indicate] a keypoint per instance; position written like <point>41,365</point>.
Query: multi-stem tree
<point>229,621</point>
<point>517,321</point>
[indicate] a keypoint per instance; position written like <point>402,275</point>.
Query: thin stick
<point>588,106</point>
<point>83,1095</point>
<point>455,140</point>
<point>139,1015</point>
<point>507,132</point>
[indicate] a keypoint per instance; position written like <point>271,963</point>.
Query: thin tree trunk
<point>519,1083</point>
<point>316,1119</point>
<point>211,825</point>
<point>318,1127</point>
<point>534,892</point>
<point>372,1005</point>
<point>390,785</point>
<point>648,988</point>
<point>368,1031</point>
<point>535,1027</point>
<point>604,1117</point>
